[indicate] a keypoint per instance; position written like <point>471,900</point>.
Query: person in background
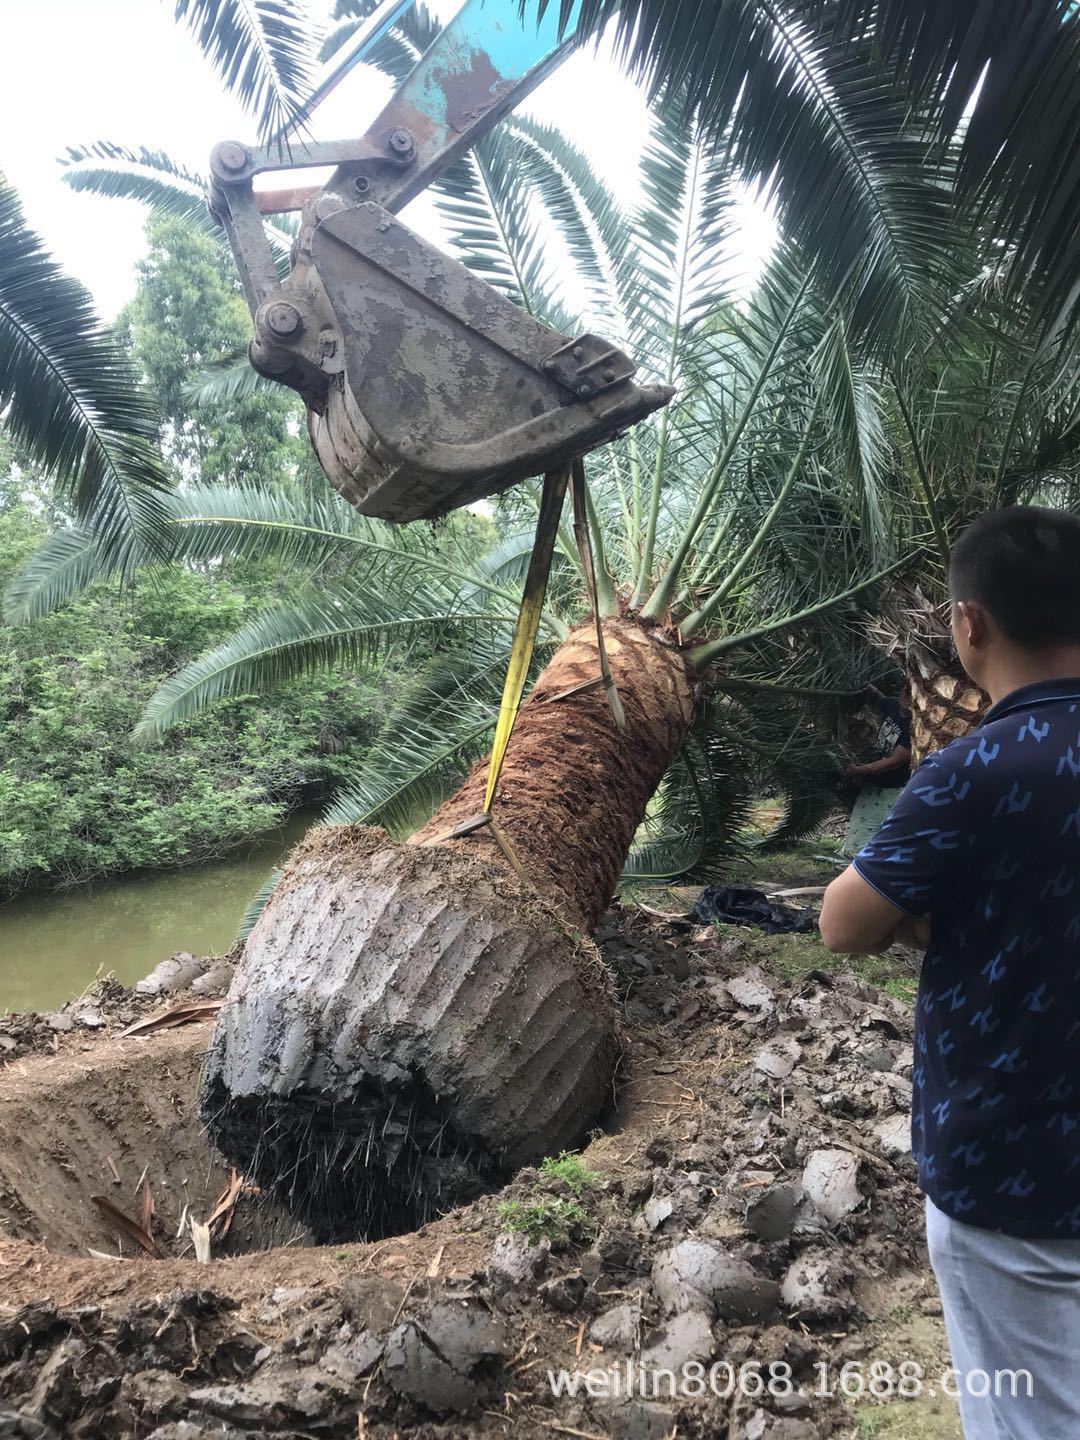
<point>881,780</point>
<point>979,861</point>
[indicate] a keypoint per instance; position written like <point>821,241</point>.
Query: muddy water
<point>52,946</point>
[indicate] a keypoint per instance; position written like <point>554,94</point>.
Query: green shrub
<point>558,1221</point>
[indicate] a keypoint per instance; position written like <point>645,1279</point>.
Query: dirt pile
<point>748,1205</point>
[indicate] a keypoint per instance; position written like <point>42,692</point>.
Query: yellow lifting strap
<point>528,623</point>
<point>524,642</point>
<point>521,653</point>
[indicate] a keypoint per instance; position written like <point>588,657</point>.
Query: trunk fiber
<point>409,1023</point>
<point>945,704</point>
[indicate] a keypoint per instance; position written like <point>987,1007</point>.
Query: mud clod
<point>830,1181</point>
<point>516,1262</point>
<point>685,1339</point>
<point>617,1329</point>
<point>442,1361</point>
<point>772,1215</point>
<point>694,1275</point>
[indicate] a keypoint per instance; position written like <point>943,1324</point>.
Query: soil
<point>748,1199</point>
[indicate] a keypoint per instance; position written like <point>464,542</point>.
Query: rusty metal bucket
<point>426,388</point>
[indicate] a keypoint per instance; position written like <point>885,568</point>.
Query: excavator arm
<point>426,389</point>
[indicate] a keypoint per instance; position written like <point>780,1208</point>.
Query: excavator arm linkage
<point>426,389</point>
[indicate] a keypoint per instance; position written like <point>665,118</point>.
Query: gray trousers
<point>1011,1305</point>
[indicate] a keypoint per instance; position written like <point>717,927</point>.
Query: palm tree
<point>731,538</point>
<point>70,399</point>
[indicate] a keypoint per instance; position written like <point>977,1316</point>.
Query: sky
<point>78,71</point>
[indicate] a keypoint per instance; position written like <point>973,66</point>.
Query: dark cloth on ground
<point>739,905</point>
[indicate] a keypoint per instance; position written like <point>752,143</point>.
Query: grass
<point>794,956</point>
<point>926,1419</point>
<point>571,1170</point>
<point>558,1221</point>
<point>790,956</point>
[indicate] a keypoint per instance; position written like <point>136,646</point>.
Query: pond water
<point>52,946</point>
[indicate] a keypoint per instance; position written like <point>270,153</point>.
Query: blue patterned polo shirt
<point>985,839</point>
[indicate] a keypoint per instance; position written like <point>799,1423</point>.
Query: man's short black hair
<point>1023,565</point>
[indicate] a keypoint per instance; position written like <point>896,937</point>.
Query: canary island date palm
<point>411,1019</point>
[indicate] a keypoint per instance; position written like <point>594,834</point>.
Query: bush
<point>80,799</point>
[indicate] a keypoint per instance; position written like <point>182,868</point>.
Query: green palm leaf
<point>339,625</point>
<point>226,383</point>
<point>263,51</point>
<point>441,727</point>
<point>155,180</point>
<point>71,399</point>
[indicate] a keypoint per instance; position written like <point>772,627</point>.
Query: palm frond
<point>428,742</point>
<point>696,816</point>
<point>72,400</point>
<point>263,51</point>
<point>310,532</point>
<point>155,180</point>
<point>855,405</point>
<point>257,904</point>
<point>807,114</point>
<point>225,383</point>
<point>397,52</point>
<point>66,563</point>
<point>344,624</point>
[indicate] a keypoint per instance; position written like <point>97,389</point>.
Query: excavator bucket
<point>426,388</point>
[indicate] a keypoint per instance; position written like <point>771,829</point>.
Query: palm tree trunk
<point>410,1022</point>
<point>945,704</point>
<point>573,790</point>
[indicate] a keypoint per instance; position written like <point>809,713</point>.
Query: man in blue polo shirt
<point>980,860</point>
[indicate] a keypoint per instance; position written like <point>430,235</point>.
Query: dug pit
<point>94,1134</point>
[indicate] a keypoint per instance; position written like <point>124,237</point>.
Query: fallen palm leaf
<point>127,1226</point>
<point>101,1255</point>
<point>225,1206</point>
<point>200,1235</point>
<point>179,1015</point>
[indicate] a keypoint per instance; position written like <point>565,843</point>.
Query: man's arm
<point>900,756</point>
<point>857,920</point>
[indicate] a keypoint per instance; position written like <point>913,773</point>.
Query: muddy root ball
<point>407,1026</point>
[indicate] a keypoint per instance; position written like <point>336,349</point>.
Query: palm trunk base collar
<point>407,1026</point>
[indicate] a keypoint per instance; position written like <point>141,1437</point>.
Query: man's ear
<point>971,623</point>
